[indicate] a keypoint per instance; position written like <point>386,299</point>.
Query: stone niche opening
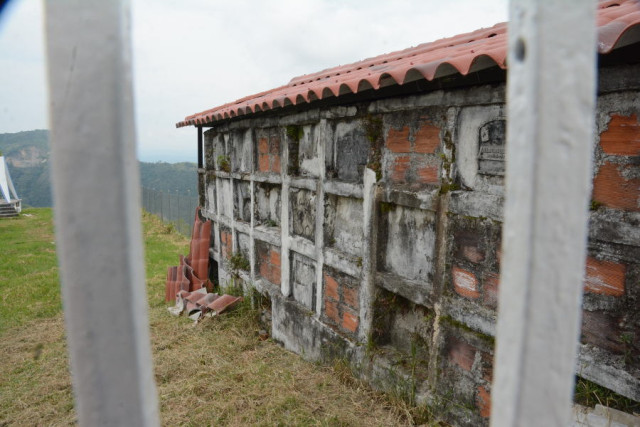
<point>267,204</point>
<point>406,242</point>
<point>242,201</point>
<point>349,153</point>
<point>303,280</point>
<point>403,326</point>
<point>343,224</point>
<point>224,201</point>
<point>304,160</point>
<point>341,305</point>
<point>210,199</point>
<point>268,151</point>
<point>268,262</point>
<point>240,150</point>
<point>244,248</point>
<point>303,213</point>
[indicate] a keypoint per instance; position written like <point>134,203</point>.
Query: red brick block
<point>461,353</point>
<point>274,146</point>
<point>274,257</point>
<point>483,401</point>
<point>265,270</point>
<point>350,296</point>
<point>330,287</point>
<point>427,139</point>
<point>226,244</point>
<point>487,366</point>
<point>275,164</point>
<point>398,140</point>
<point>465,283</point>
<point>622,138</point>
<point>263,146</point>
<point>349,321</point>
<point>605,277</point>
<point>275,274</point>
<point>400,167</point>
<point>331,310</point>
<point>263,163</point>
<point>611,188</point>
<point>490,285</point>
<point>428,174</point>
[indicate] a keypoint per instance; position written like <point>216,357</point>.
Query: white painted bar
<point>97,211</point>
<point>551,99</point>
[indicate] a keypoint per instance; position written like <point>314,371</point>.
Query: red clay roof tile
<point>463,54</point>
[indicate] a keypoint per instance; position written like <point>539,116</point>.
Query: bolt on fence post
<point>97,211</point>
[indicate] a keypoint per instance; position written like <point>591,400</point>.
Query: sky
<point>192,55</point>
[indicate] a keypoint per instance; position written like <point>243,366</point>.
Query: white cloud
<point>191,55</point>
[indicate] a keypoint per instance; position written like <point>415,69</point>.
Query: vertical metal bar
<point>551,98</point>
<point>97,211</point>
<point>200,162</point>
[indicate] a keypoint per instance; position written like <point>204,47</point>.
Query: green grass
<point>590,394</point>
<point>218,373</point>
<point>28,271</point>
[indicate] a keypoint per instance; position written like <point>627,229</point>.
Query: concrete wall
<point>375,228</point>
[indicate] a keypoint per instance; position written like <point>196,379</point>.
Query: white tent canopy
<point>7,189</point>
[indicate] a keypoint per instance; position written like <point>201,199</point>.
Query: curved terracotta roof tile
<point>618,23</point>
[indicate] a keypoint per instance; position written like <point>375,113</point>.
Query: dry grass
<point>218,373</point>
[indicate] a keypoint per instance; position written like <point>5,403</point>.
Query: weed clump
<point>224,163</point>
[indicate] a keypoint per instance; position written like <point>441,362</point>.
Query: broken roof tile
<point>223,303</point>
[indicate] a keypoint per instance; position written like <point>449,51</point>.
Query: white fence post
<point>551,98</point>
<point>97,211</point>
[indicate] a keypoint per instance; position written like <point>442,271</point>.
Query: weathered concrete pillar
<point>551,99</point>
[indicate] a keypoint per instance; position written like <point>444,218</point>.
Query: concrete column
<point>97,211</point>
<point>551,98</point>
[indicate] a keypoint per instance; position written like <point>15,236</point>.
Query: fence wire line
<point>177,210</point>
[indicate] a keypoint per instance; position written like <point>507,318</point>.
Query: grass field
<point>218,373</point>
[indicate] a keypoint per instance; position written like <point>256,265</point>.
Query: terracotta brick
<point>330,287</point>
<point>274,257</point>
<point>263,146</point>
<point>612,189</point>
<point>428,174</point>
<point>622,138</point>
<point>400,167</point>
<point>461,353</point>
<point>483,401</point>
<point>427,139</point>
<point>274,145</point>
<point>472,253</point>
<point>331,310</point>
<point>265,271</point>
<point>263,163</point>
<point>349,321</point>
<point>605,277</point>
<point>487,366</point>
<point>465,283</point>
<point>275,274</point>
<point>398,140</point>
<point>490,285</point>
<point>275,164</point>
<point>350,296</point>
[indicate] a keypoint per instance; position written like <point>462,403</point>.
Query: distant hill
<point>27,154</point>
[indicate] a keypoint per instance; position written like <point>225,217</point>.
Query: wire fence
<point>174,209</point>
